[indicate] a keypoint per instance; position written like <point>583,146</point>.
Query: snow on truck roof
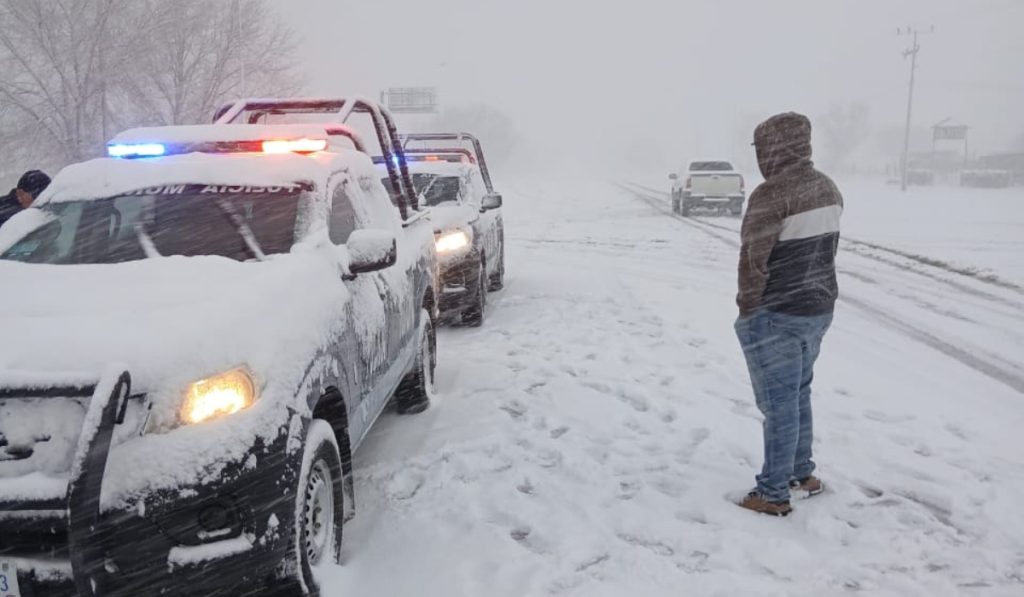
<point>106,177</point>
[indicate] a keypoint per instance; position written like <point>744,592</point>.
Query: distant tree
<point>203,53</point>
<point>74,72</point>
<point>842,130</point>
<point>495,130</point>
<point>56,58</point>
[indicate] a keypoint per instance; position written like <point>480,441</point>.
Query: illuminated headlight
<point>218,396</point>
<point>450,242</point>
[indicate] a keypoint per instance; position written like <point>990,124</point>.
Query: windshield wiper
<point>422,195</point>
<point>243,229</point>
<point>146,241</point>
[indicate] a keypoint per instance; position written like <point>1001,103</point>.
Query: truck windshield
<point>710,167</point>
<point>435,190</point>
<point>237,222</point>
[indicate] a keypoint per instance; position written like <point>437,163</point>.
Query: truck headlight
<point>450,242</point>
<point>218,396</point>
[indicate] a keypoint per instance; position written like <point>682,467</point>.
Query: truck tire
<point>497,280</point>
<point>417,388</point>
<point>685,209</point>
<point>319,505</point>
<point>473,316</point>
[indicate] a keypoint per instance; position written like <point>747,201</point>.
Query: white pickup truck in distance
<point>708,184</point>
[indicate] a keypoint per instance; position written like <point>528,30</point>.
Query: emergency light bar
<point>295,146</point>
<point>270,146</point>
<point>136,151</point>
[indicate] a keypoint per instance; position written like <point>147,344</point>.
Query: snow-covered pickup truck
<point>195,342</point>
<point>708,184</point>
<point>466,212</point>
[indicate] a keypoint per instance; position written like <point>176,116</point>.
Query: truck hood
<point>451,216</point>
<point>169,320</point>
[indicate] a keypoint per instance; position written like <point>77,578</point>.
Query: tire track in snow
<point>992,366</point>
<point>857,246</point>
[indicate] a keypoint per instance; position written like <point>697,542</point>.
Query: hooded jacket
<point>9,206</point>
<point>790,232</point>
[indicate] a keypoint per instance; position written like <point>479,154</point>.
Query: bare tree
<point>203,53</point>
<point>74,72</point>
<point>843,129</point>
<point>55,58</point>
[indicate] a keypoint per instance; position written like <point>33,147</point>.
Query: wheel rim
<point>319,512</point>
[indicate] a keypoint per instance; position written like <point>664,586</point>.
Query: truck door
<point>396,286</point>
<point>362,350</point>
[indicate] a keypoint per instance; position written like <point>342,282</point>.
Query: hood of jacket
<point>783,142</point>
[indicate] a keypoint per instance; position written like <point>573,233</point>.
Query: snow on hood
<point>451,216</point>
<point>172,320</point>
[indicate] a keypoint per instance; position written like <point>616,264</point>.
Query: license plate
<point>716,200</point>
<point>9,579</point>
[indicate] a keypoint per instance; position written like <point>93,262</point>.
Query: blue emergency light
<point>139,150</point>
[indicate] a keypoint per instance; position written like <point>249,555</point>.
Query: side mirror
<point>673,176</point>
<point>371,251</point>
<point>491,201</point>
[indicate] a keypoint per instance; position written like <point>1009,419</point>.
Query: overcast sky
<point>681,76</point>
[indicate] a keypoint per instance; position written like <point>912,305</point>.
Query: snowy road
<point>589,438</point>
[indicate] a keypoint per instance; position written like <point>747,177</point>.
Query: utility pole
<point>912,53</point>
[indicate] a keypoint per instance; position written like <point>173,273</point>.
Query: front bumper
<point>227,536</point>
<point>708,202</point>
<point>460,281</point>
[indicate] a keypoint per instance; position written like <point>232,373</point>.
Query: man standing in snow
<point>29,186</point>
<point>787,292</point>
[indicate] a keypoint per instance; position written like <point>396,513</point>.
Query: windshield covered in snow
<point>434,190</point>
<point>186,220</point>
<point>710,167</point>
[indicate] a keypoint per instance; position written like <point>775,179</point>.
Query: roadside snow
<point>982,229</point>
<point>591,437</point>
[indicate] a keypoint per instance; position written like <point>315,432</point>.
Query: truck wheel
<point>497,279</point>
<point>414,393</point>
<point>473,316</point>
<point>685,209</point>
<point>319,506</point>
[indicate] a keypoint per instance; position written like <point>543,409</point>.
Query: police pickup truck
<point>455,183</point>
<point>199,331</point>
<point>708,185</point>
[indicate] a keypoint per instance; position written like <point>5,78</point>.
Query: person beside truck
<point>30,185</point>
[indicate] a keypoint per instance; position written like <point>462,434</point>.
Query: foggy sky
<point>676,76</point>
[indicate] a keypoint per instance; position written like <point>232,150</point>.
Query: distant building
<point>1011,162</point>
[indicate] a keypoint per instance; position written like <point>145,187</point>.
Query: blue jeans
<point>780,350</point>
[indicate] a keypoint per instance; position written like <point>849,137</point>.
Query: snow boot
<point>806,487</point>
<point>757,503</point>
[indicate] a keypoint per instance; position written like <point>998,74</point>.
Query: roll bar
<point>402,191</point>
<point>458,138</point>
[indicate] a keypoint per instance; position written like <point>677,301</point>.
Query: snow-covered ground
<point>590,438</point>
